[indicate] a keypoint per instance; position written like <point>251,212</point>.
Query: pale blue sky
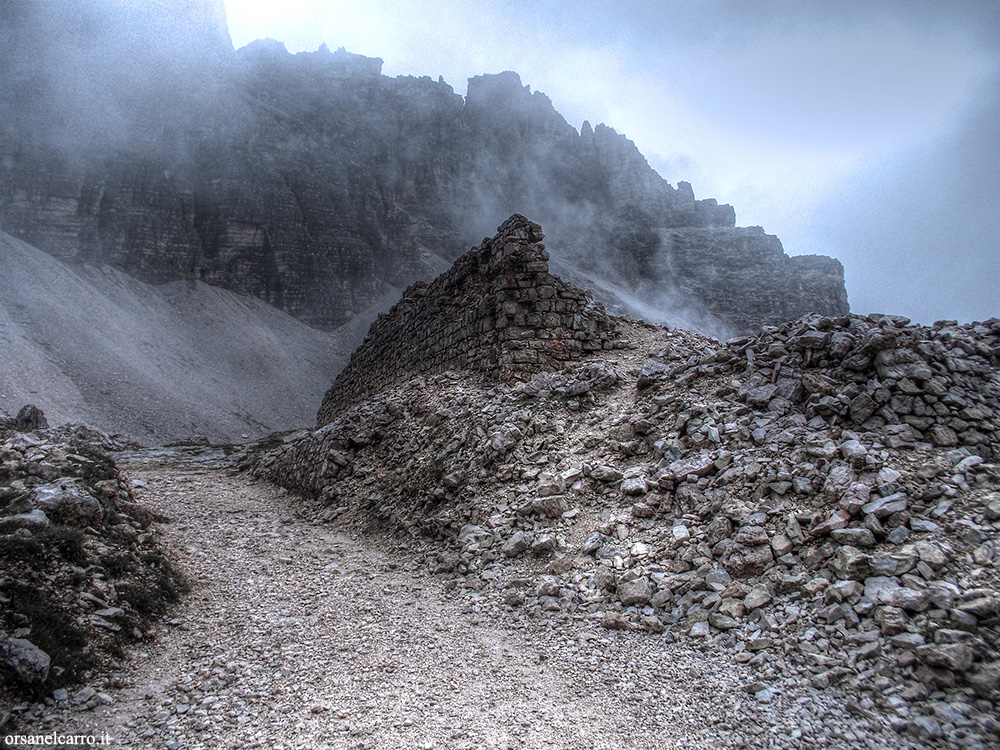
<point>788,110</point>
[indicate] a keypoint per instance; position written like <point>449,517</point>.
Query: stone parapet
<point>497,310</point>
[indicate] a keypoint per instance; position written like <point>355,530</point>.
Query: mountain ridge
<point>316,183</point>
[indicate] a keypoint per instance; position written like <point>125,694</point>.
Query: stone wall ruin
<point>497,310</point>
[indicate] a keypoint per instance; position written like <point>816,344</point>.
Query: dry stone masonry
<point>498,311</point>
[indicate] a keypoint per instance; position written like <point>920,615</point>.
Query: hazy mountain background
<point>865,131</point>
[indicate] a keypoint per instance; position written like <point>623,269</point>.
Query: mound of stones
<point>81,571</point>
<point>820,499</point>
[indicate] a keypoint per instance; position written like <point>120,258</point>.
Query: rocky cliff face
<point>135,136</point>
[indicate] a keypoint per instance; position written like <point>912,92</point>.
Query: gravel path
<point>297,635</point>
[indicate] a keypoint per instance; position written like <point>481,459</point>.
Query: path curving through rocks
<point>297,635</point>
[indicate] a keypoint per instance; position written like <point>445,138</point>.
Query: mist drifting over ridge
<point>789,111</point>
<point>319,185</point>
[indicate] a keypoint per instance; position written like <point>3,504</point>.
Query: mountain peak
<point>134,136</point>
<point>503,91</point>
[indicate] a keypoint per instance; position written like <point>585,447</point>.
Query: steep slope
<point>154,362</point>
<point>317,184</point>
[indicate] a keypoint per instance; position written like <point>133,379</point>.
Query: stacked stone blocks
<point>498,310</point>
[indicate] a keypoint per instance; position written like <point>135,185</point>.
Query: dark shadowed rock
<point>30,418</point>
<point>67,502</point>
<point>135,136</point>
<point>22,657</point>
<point>986,680</point>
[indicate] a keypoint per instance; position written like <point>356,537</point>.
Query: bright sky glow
<point>768,105</point>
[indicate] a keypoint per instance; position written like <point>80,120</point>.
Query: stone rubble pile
<point>81,570</point>
<point>820,500</point>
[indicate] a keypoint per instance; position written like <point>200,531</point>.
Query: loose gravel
<point>297,635</point>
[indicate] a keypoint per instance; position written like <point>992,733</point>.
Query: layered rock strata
<point>319,185</point>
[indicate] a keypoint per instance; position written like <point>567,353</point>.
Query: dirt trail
<point>295,635</point>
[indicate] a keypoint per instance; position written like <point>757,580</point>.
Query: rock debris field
<point>818,503</point>
<point>302,635</point>
<point>616,535</point>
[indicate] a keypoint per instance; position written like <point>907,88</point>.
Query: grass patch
<point>19,549</point>
<point>156,586</point>
<point>119,565</point>
<point>103,466</point>
<point>52,631</point>
<point>63,541</point>
<point>68,541</point>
